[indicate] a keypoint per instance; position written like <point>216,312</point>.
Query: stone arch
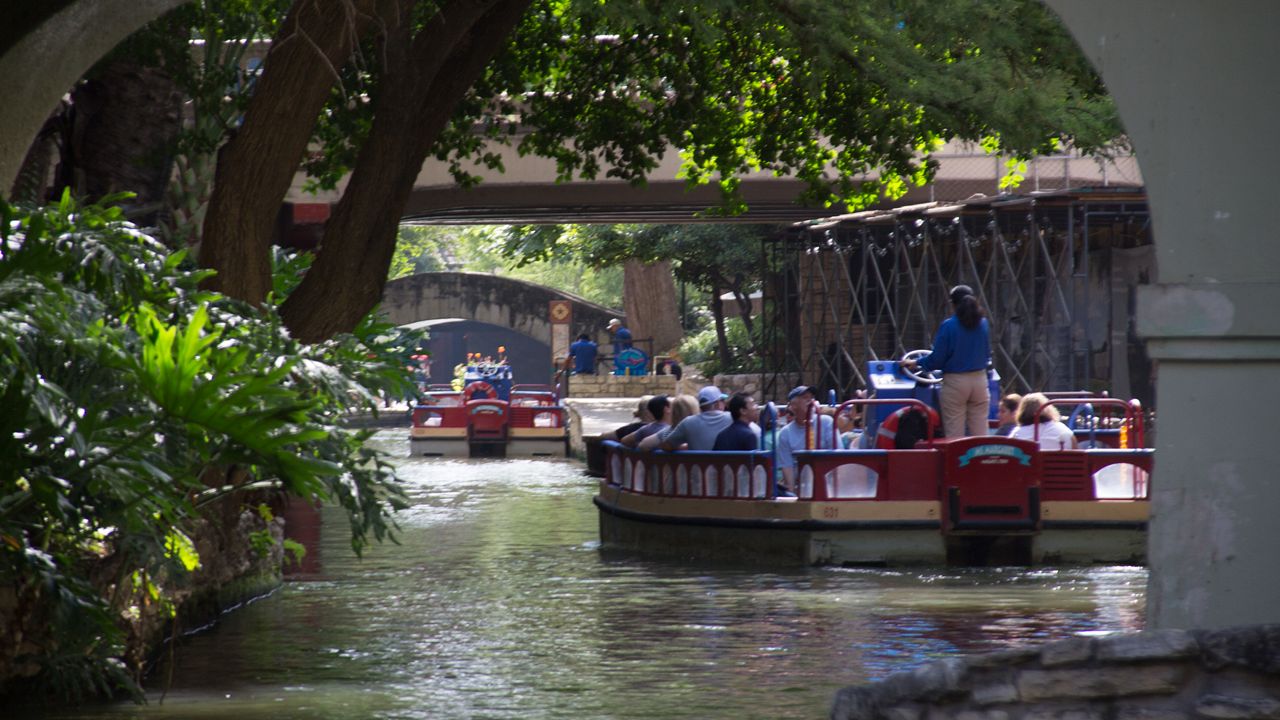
<point>1195,83</point>
<point>46,52</point>
<point>491,299</point>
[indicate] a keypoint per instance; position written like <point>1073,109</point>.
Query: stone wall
<point>620,386</point>
<point>1231,674</point>
<point>752,383</point>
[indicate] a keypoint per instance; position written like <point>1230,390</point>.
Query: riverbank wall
<point>1231,674</point>
<point>241,558</point>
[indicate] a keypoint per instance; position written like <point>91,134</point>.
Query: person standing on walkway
<point>583,353</point>
<point>962,351</point>
<point>621,336</point>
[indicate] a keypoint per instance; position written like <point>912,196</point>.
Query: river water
<point>499,603</point>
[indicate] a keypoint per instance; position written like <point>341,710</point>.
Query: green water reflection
<point>498,603</point>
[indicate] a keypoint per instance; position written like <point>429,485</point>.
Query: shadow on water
<point>498,603</point>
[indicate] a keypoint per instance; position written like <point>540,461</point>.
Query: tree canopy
<point>849,97</point>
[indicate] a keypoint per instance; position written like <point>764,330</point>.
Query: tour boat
<point>489,417</point>
<point>983,500</point>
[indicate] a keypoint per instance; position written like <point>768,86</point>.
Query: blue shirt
<point>699,431</point>
<point>791,439</point>
<point>738,436</point>
<point>621,340</point>
<point>583,353</point>
<point>957,349</point>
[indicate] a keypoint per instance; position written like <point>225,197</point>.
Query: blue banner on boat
<point>995,450</point>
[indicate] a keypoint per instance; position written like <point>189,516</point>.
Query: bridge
<point>527,192</point>
<point>477,312</point>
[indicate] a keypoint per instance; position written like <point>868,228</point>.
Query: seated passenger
<point>642,418</point>
<point>912,428</point>
<point>849,425</point>
<point>660,409</point>
<point>1036,418</point>
<point>906,427</point>
<point>1006,414</point>
<point>801,433</point>
<point>699,432</point>
<point>682,406</point>
<point>743,433</point>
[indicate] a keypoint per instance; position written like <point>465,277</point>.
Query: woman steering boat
<point>962,352</point>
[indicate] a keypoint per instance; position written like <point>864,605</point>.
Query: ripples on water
<point>499,603</point>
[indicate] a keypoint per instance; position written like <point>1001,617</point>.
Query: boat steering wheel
<point>931,377</point>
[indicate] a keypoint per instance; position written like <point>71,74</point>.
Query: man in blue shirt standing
<point>621,336</point>
<point>583,353</point>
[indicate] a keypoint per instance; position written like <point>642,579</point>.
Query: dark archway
<point>452,340</point>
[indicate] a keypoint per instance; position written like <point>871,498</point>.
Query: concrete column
<point>44,63</point>
<point>1196,84</point>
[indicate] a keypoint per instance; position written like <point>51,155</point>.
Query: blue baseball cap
<point>800,390</point>
<point>710,394</point>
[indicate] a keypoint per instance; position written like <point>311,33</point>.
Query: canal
<point>499,603</point>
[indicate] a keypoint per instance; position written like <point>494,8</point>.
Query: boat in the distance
<point>980,500</point>
<point>489,417</point>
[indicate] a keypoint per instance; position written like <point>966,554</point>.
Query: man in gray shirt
<point>700,431</point>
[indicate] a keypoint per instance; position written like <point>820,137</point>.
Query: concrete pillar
<point>1197,87</point>
<point>44,63</point>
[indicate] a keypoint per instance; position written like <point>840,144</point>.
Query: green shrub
<point>700,349</point>
<point>136,403</point>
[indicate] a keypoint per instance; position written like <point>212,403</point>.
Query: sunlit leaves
<point>178,546</point>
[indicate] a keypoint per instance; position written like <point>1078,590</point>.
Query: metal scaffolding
<point>1056,272</point>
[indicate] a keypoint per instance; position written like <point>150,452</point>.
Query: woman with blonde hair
<point>1037,419</point>
<point>682,406</point>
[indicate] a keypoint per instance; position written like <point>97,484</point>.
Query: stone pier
<point>1230,674</point>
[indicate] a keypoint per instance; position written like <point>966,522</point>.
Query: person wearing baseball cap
<point>804,432</point>
<point>621,336</point>
<point>962,351</point>
<point>699,431</point>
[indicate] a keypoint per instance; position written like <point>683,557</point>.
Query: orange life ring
<point>888,431</point>
<point>478,386</point>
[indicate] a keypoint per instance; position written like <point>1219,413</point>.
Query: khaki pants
<point>966,401</point>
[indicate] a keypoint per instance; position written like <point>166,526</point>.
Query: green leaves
<point>843,96</point>
<point>140,409</point>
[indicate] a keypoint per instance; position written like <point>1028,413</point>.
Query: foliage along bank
<point>144,420</point>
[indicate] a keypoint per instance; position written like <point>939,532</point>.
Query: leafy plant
<point>700,349</point>
<point>139,408</point>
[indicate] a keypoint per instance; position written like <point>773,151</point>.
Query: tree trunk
<point>125,120</point>
<point>256,168</point>
<point>649,298</point>
<point>722,339</point>
<point>425,79</point>
<point>745,308</point>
